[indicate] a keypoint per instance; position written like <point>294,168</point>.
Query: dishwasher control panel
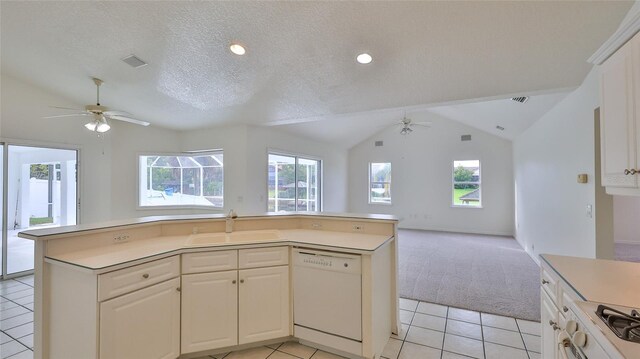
<point>333,261</point>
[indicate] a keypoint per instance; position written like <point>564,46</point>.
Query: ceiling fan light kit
<point>406,124</point>
<point>99,124</point>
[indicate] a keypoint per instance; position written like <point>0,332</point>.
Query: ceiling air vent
<point>465,138</point>
<point>379,143</point>
<point>521,99</point>
<point>134,61</point>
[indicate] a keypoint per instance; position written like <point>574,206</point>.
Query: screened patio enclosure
<point>179,180</point>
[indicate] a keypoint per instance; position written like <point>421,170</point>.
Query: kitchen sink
<point>235,237</point>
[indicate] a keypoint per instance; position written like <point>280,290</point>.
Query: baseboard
<point>627,242</point>
<point>458,230</point>
<point>535,258</point>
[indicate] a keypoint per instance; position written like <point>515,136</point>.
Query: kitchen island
<point>180,286</point>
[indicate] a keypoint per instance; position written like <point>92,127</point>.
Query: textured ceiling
<point>300,55</point>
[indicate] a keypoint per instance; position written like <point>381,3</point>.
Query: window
<point>185,180</point>
<point>380,182</point>
<point>466,184</point>
<point>293,183</point>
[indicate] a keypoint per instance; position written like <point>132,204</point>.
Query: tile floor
<point>16,318</point>
<point>428,331</point>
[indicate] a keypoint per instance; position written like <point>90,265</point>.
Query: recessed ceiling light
<point>237,49</point>
<point>364,58</point>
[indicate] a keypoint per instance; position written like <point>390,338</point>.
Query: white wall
<point>550,204</point>
<point>626,211</point>
<point>422,177</point>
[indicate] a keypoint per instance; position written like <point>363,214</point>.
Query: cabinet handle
<point>552,323</point>
<point>633,171</point>
<point>179,289</point>
<point>241,280</point>
<point>565,309</point>
<point>145,276</point>
<point>626,172</point>
<point>233,281</point>
<point>544,281</point>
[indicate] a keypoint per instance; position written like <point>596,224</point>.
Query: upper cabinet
<point>620,119</point>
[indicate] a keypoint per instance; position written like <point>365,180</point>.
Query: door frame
<point>5,143</point>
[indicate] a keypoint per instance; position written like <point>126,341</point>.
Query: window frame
<point>195,153</point>
<point>297,156</point>
<point>390,202</point>
<point>479,183</point>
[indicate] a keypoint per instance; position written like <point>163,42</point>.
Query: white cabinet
<point>620,119</point>
<point>549,320</point>
<point>209,311</point>
<point>232,307</point>
<point>142,324</point>
<point>263,304</point>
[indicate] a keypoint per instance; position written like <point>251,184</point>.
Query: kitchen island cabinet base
<point>76,273</point>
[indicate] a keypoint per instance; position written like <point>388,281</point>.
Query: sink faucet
<point>228,228</point>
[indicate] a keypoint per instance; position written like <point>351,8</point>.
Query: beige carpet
<point>489,274</point>
<point>627,252</point>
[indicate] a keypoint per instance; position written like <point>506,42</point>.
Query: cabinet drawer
<point>263,257</point>
<point>209,261</point>
<point>565,300</point>
<point>550,285</point>
<point>126,280</point>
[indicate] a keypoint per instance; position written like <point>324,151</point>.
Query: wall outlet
<point>316,225</point>
<point>357,228</point>
<point>122,238</point>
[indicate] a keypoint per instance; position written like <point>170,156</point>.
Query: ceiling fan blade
<point>128,119</point>
<point>70,115</point>
<point>118,113</point>
<point>425,124</point>
<point>67,108</point>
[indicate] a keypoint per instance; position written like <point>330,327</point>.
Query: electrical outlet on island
<point>357,228</point>
<point>121,238</point>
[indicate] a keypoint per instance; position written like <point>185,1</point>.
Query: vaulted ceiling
<point>300,63</point>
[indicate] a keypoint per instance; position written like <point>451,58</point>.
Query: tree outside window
<point>466,183</point>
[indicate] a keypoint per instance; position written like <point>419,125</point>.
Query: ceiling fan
<point>100,114</point>
<point>406,125</point>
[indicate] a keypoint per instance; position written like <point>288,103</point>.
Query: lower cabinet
<point>221,309</point>
<point>549,320</point>
<point>209,311</point>
<point>142,324</point>
<point>264,304</point>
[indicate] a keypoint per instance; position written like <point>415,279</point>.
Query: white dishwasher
<point>327,298</point>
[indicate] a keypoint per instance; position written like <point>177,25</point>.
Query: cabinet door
<point>617,123</point>
<point>209,311</point>
<point>142,324</point>
<point>548,316</point>
<point>263,304</point>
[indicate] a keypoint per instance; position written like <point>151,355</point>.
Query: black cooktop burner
<point>625,326</point>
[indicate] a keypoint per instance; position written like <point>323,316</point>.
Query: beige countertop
<point>60,232</point>
<point>103,257</point>
<point>599,280</point>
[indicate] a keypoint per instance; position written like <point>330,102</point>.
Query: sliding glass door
<point>40,191</point>
<point>293,183</point>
